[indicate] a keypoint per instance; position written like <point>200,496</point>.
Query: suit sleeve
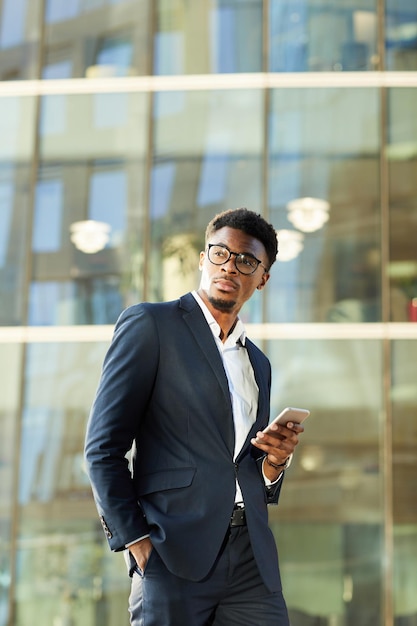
<point>272,491</point>
<point>121,400</point>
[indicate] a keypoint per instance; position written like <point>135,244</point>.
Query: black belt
<point>238,517</point>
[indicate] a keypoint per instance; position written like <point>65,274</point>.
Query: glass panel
<point>401,35</point>
<point>17,123</point>
<point>19,39</point>
<point>66,573</point>
<point>208,36</point>
<point>102,38</point>
<point>324,202</point>
<point>329,523</point>
<point>402,159</point>
<point>115,52</point>
<point>207,158</point>
<point>10,372</point>
<point>404,433</point>
<point>58,64</point>
<point>322,36</point>
<point>87,239</point>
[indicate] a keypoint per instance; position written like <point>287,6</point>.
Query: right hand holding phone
<point>279,441</point>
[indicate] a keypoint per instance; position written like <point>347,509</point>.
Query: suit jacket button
<point>105,527</point>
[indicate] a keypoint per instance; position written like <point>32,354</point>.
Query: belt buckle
<point>238,517</point>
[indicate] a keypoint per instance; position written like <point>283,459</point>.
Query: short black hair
<point>250,223</point>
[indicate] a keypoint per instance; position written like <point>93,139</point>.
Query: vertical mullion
<point>386,451</point>
<point>265,143</point>
<point>265,35</point>
<point>15,513</point>
<point>147,226</point>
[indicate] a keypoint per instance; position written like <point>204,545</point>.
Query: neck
<point>226,319</point>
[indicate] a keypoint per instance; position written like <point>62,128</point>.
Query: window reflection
<point>13,240</point>
<point>6,205</point>
<point>55,299</point>
<point>111,111</point>
<point>404,408</point>
<point>57,65</point>
<point>82,301</point>
<point>54,420</point>
<point>207,157</point>
<point>331,566</point>
<point>116,54</point>
<point>13,19</point>
<point>402,158</point>
<point>83,179</point>
<point>107,192</point>
<point>209,36</point>
<point>10,370</point>
<point>319,151</point>
<point>19,36</point>
<point>401,35</point>
<point>47,227</point>
<point>213,182</point>
<point>77,579</point>
<point>58,10</point>
<point>331,572</point>
<point>323,36</point>
<point>16,117</point>
<point>100,38</point>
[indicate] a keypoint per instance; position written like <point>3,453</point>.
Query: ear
<point>264,280</point>
<point>202,257</point>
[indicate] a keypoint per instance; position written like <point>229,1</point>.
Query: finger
<point>269,438</point>
<point>280,433</point>
<point>297,428</point>
<point>272,445</point>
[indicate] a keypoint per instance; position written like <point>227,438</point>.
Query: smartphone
<point>290,414</point>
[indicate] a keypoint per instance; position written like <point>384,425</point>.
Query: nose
<point>230,265</point>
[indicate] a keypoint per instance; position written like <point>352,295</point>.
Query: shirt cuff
<point>136,540</point>
<point>268,482</point>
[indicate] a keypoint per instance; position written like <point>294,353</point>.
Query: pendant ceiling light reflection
<point>290,244</point>
<point>308,214</point>
<point>90,236</point>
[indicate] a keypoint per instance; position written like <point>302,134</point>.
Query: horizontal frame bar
<point>103,333</point>
<point>143,84</point>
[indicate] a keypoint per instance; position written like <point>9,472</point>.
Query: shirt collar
<point>238,334</point>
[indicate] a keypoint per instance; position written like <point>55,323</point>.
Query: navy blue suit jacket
<point>164,389</point>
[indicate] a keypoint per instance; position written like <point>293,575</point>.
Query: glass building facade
<point>125,125</point>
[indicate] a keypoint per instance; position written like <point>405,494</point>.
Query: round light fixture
<point>308,214</point>
<point>90,236</point>
<point>290,244</point>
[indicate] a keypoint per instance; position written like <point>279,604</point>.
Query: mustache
<point>230,279</point>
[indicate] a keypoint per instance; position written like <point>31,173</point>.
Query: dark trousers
<point>233,594</point>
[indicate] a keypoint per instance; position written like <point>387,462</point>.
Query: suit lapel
<point>194,318</point>
<point>202,334</point>
<point>263,398</point>
<point>261,381</point>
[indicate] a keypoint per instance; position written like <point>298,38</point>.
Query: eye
<point>248,261</point>
<point>220,253</point>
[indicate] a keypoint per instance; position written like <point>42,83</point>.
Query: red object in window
<point>412,310</point>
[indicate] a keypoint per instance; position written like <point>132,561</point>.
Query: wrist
<point>278,466</point>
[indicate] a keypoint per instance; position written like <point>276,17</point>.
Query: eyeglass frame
<point>236,255</point>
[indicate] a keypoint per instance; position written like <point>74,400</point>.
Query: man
<point>183,384</point>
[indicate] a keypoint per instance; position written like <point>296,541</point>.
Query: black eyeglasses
<point>245,263</point>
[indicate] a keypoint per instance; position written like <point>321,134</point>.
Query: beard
<point>221,305</point>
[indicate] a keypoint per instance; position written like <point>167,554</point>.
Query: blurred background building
<point>125,125</point>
